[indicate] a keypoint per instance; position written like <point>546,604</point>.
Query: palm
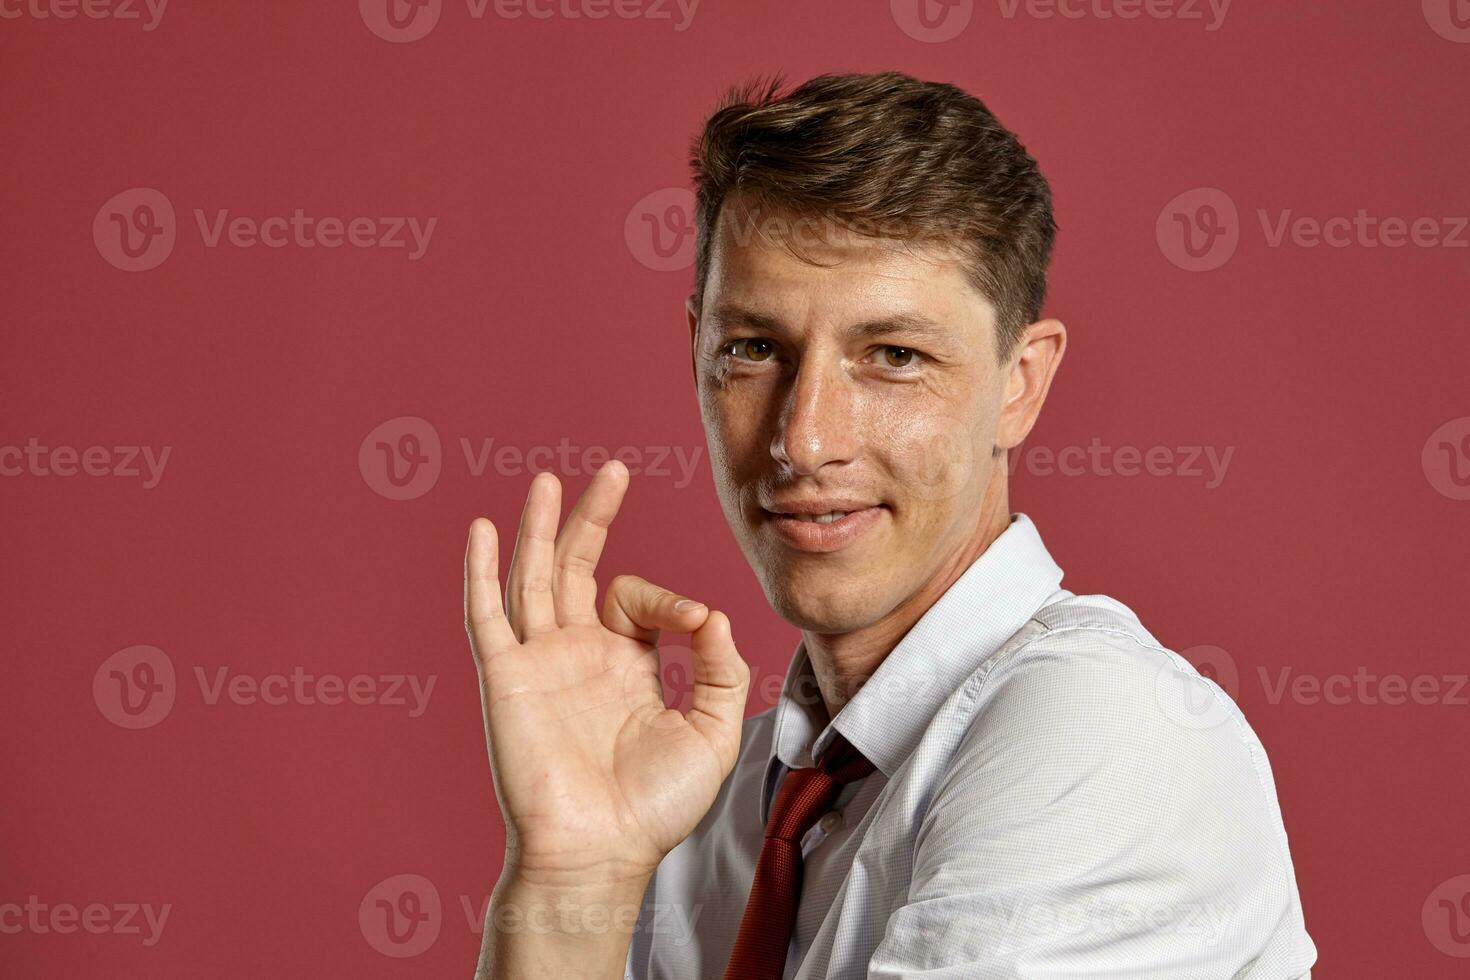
<point>592,772</point>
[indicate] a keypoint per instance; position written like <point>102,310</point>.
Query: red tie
<point>770,915</point>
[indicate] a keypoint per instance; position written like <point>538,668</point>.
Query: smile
<point>825,532</point>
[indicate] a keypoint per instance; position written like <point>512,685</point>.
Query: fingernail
<point>684,605</point>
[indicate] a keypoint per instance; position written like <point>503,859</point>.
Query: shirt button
<point>831,822</point>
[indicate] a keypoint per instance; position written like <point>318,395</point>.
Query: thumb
<point>721,682</point>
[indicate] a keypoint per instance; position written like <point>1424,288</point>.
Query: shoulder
<point>1087,665</point>
<point>1096,777</point>
<point>1088,728</point>
<point>1084,703</point>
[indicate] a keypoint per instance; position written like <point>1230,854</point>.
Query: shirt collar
<point>888,715</point>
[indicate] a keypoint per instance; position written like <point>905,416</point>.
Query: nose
<point>816,426</point>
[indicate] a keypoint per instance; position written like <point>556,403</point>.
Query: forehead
<point>809,268</point>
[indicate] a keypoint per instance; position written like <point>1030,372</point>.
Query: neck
<point>843,662</point>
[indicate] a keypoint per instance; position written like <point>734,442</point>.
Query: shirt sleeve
<point>1108,813</point>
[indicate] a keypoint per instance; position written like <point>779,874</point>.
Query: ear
<point>1028,378</point>
<point>691,313</point>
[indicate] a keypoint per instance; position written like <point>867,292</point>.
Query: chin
<point>820,603</point>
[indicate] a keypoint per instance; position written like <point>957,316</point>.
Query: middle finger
<point>574,588</point>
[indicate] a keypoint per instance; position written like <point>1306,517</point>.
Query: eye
<point>756,349</point>
<point>900,357</point>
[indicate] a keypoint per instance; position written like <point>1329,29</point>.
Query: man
<point>971,772</point>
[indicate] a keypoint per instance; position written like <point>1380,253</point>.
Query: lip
<point>810,536</point>
<point>818,505</point>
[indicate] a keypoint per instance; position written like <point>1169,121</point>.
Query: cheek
<point>731,426</point>
<point>932,458</point>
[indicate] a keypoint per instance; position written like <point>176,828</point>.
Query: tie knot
<point>843,762</point>
<point>806,794</point>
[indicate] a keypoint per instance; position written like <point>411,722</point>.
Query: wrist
<point>589,910</point>
<point>526,869</point>
<point>540,931</point>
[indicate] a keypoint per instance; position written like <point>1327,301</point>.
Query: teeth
<point>821,518</point>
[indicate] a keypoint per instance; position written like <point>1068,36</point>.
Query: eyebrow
<point>728,315</point>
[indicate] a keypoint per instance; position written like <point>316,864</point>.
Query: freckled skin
<point>797,404</point>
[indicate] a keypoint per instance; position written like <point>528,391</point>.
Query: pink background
<point>1335,542</point>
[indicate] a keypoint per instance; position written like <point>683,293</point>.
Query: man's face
<point>867,377</point>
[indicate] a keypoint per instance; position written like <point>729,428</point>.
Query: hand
<point>596,779</point>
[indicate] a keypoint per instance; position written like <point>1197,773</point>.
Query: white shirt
<point>1056,795</point>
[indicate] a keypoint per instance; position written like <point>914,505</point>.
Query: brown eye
<point>899,356</point>
<point>756,350</point>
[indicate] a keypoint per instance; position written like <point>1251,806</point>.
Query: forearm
<point>545,932</point>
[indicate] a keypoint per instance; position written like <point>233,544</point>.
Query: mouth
<point>833,517</point>
<point>822,526</point>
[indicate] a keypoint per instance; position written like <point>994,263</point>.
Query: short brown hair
<point>891,154</point>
